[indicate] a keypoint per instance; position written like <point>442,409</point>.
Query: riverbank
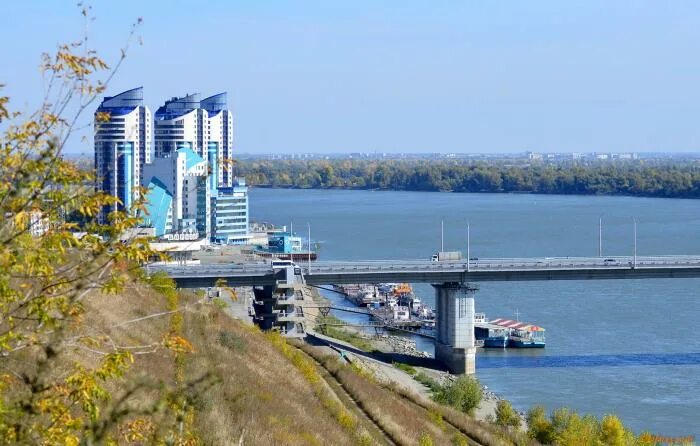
<point>414,378</point>
<point>629,177</point>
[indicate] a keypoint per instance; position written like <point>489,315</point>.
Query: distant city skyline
<point>403,77</point>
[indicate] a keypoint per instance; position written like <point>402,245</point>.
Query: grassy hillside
<point>258,389</point>
<point>252,393</point>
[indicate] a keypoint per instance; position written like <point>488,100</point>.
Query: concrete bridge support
<point>454,339</point>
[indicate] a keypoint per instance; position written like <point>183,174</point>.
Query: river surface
<point>629,347</point>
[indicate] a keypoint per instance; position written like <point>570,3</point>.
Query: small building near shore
<point>285,245</point>
<point>230,216</point>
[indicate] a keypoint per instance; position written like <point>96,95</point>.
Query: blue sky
<point>398,76</point>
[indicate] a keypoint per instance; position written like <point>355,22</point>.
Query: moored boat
<point>524,342</point>
<point>496,341</point>
<point>522,334</point>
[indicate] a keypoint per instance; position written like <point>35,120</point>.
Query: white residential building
<point>220,135</point>
<point>181,123</point>
<point>192,144</point>
<point>123,134</point>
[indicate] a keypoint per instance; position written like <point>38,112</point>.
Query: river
<point>629,347</point>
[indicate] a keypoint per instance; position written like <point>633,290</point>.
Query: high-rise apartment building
<point>181,123</point>
<point>122,145</point>
<point>220,134</point>
<point>203,125</point>
<point>192,140</point>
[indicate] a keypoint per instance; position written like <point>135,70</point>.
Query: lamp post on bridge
<point>468,245</point>
<point>309,253</point>
<point>442,235</point>
<point>600,236</point>
<point>634,225</point>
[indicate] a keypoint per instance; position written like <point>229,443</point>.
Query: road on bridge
<point>474,270</point>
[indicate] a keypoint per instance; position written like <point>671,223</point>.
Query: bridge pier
<point>454,339</point>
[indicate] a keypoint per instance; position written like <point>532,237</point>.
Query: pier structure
<point>454,332</point>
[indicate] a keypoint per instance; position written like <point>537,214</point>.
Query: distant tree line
<point>635,178</point>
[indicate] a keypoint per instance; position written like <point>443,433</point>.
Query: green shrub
<point>464,394</point>
<point>231,341</point>
<point>613,432</point>
<point>566,427</point>
<point>506,415</point>
<point>539,427</point>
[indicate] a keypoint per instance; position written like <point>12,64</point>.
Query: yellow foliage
<point>612,431</point>
<point>436,416</point>
<point>47,271</point>
<point>178,344</point>
<point>425,440</point>
<point>136,430</point>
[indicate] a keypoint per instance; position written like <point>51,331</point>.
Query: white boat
<point>401,313</point>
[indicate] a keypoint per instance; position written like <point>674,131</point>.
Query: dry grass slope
<point>409,419</point>
<point>266,391</point>
<point>258,395</point>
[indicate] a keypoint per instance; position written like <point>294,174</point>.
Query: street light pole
<point>468,245</point>
<point>634,220</point>
<point>309,253</point>
<point>600,236</point>
<point>442,235</point>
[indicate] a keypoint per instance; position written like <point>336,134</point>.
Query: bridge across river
<point>453,282</point>
<point>463,271</point>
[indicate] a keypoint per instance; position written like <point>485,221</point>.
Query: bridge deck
<point>481,270</point>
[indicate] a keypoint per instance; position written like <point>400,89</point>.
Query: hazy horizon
<point>403,77</point>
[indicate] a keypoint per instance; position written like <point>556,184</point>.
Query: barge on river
<point>507,333</point>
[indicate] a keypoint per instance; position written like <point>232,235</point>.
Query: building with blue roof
<point>159,208</point>
<point>181,123</point>
<point>184,175</point>
<point>122,131</point>
<point>187,175</point>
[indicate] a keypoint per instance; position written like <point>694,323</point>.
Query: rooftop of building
<point>215,104</point>
<point>176,107</point>
<point>123,103</point>
<point>238,186</point>
<point>191,157</point>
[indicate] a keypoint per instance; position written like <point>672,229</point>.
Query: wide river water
<point>629,347</point>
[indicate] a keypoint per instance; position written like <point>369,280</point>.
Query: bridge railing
<point>476,265</point>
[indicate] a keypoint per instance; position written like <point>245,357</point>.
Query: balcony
<point>286,301</point>
<point>297,332</point>
<point>283,316</point>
